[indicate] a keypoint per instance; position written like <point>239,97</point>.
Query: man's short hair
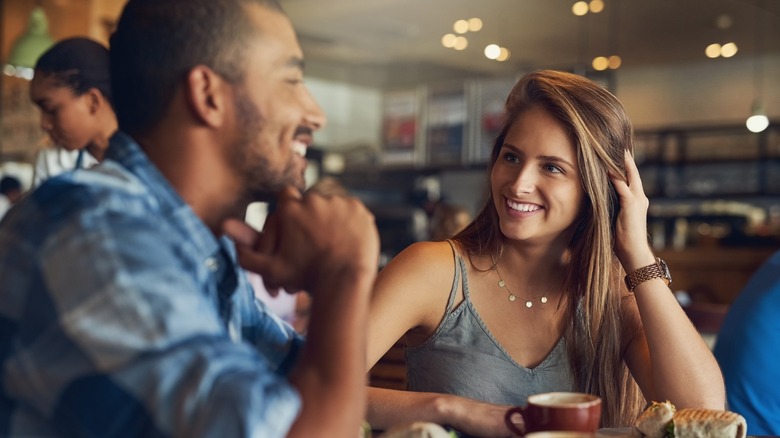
<point>9,184</point>
<point>158,41</point>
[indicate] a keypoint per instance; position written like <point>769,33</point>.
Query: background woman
<point>531,296</point>
<point>72,88</point>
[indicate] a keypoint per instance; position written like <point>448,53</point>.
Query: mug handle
<point>508,419</point>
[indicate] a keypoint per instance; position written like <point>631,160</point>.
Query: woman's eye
<point>510,157</point>
<point>552,168</point>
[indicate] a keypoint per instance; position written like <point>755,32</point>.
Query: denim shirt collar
<point>128,154</point>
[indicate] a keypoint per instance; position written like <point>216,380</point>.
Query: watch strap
<point>649,272</point>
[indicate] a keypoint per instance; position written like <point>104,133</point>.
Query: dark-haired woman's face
<point>65,117</point>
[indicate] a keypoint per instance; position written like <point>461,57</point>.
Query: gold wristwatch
<point>656,270</point>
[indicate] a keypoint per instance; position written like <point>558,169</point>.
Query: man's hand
<point>307,239</point>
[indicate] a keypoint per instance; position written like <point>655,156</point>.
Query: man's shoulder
<point>104,183</point>
<point>81,197</point>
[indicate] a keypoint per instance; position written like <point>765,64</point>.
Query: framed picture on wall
<point>401,127</point>
<point>446,125</point>
<point>489,97</point>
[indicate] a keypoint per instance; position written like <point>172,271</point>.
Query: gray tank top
<point>463,358</point>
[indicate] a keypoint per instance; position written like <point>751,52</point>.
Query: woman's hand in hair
<point>631,242</point>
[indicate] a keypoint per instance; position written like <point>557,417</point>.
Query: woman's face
<point>65,117</point>
<point>535,182</point>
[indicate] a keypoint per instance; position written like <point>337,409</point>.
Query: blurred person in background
<point>10,193</point>
<point>447,220</point>
<point>72,89</point>
<point>748,348</point>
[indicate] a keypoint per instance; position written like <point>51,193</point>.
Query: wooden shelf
<point>713,274</point>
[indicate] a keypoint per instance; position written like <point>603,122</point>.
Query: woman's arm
<point>411,294</point>
<point>667,356</point>
<point>387,408</point>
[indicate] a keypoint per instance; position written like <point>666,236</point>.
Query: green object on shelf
<point>33,42</point>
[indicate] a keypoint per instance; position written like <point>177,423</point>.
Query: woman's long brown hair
<point>601,133</point>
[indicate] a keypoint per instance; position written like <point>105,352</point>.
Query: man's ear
<point>205,91</point>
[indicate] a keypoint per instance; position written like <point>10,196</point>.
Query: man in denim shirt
<point>123,308</point>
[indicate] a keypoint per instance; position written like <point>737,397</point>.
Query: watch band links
<point>645,273</point>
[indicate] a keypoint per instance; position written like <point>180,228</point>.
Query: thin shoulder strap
<point>456,278</point>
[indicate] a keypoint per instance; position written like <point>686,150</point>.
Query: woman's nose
<point>525,181</point>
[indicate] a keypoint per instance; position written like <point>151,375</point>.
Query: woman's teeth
<point>522,207</point>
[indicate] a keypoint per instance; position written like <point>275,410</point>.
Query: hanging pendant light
<point>29,46</point>
<point>758,121</point>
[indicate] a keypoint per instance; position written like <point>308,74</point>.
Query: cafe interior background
<point>414,91</point>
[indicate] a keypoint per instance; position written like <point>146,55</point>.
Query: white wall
<point>354,114</point>
<point>706,93</point>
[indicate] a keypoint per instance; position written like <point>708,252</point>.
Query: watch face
<point>665,269</point>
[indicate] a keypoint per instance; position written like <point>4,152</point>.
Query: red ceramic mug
<point>573,411</point>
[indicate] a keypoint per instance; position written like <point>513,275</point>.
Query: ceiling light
<point>596,6</point>
<point>615,62</point>
<point>461,26</point>
<point>505,54</point>
<point>461,43</point>
<point>728,50</point>
<point>475,24</point>
<point>33,42</point>
<point>758,121</point>
<point>600,63</point>
<point>712,51</point>
<point>448,40</point>
<point>492,51</point>
<point>579,9</point>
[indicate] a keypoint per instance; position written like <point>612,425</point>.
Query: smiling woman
<point>565,219</point>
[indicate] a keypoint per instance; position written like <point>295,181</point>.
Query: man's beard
<point>261,182</point>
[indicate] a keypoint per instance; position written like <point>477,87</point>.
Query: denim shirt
<point>121,314</point>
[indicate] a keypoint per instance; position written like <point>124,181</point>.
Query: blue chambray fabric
<point>122,315</point>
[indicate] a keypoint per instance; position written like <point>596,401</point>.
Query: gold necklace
<point>512,297</point>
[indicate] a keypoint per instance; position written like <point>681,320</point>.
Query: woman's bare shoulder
<point>411,291</point>
<point>423,266</point>
<point>425,255</point>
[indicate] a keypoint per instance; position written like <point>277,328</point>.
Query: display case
<point>710,162</point>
